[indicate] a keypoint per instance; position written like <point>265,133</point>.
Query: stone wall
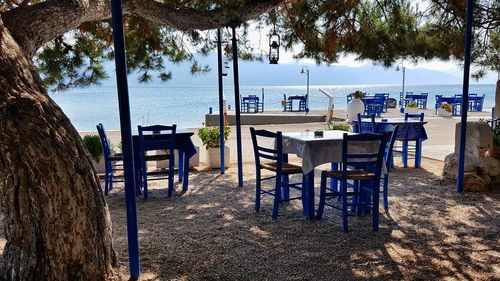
<point>481,170</point>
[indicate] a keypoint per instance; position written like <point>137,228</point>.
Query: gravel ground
<point>212,233</point>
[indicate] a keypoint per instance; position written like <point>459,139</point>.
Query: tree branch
<point>34,25</point>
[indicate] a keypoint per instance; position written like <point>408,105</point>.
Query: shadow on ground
<point>212,233</point>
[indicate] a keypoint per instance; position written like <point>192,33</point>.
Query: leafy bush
<point>357,94</point>
<point>496,135</point>
<point>446,106</point>
<point>340,126</point>
<point>211,137</point>
<point>412,104</point>
<point>93,144</point>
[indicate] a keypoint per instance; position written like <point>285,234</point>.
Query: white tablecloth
<point>315,151</point>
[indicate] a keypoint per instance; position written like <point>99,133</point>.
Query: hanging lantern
<point>274,47</point>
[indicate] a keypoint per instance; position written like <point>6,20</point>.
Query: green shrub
<point>210,137</point>
<point>357,94</point>
<point>412,104</point>
<point>496,135</point>
<point>93,144</point>
<point>340,126</point>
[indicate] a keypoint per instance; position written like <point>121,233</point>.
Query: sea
<point>187,106</point>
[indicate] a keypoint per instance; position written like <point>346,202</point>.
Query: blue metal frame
<point>465,97</point>
<point>221,102</point>
<point>237,107</point>
<point>126,134</point>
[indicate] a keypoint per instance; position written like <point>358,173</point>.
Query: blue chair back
<point>106,150</point>
<point>366,128</point>
<point>157,137</point>
<point>391,136</point>
<point>371,161</point>
<point>274,154</point>
<point>414,116</point>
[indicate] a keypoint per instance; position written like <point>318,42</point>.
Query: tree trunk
<point>497,100</point>
<point>57,224</point>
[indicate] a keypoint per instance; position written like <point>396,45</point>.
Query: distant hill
<point>265,74</point>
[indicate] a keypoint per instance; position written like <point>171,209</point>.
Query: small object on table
<point>384,120</point>
<point>318,133</point>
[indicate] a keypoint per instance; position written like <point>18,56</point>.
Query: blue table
<point>186,149</point>
<point>409,130</point>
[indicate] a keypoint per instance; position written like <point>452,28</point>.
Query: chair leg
<point>277,197</point>
<point>106,172</point>
<point>110,184</point>
<point>345,223</point>
<point>145,179</point>
<point>385,191</point>
<point>322,195</point>
<point>375,210</point>
<point>257,191</point>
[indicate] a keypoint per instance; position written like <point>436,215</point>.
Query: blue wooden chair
<point>391,134</point>
<point>113,162</point>
<point>277,165</point>
<point>161,139</point>
<point>363,127</point>
<point>422,100</point>
<point>406,148</point>
<point>368,167</point>
<point>385,96</point>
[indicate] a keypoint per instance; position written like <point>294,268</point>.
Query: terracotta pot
<point>100,165</point>
<point>494,151</point>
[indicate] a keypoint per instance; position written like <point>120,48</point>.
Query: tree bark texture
<point>34,25</point>
<point>57,224</point>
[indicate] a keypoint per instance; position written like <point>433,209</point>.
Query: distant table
<point>409,130</point>
<point>315,151</point>
<point>186,149</point>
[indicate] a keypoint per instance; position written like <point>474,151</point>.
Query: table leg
<point>308,195</point>
<point>181,155</point>
<point>405,153</point>
<point>418,153</point>
<point>186,174</point>
<point>285,190</point>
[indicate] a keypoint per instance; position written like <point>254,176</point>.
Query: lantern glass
<point>274,46</point>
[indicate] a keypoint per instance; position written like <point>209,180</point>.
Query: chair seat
<point>287,168</point>
<point>352,175</point>
<point>115,157</point>
<point>158,157</point>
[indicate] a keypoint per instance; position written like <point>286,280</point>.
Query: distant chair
<point>366,177</point>
<point>421,100</point>
<point>362,127</point>
<point>406,147</point>
<point>112,161</point>
<point>160,139</point>
<point>276,165</point>
<point>374,105</point>
<point>385,96</point>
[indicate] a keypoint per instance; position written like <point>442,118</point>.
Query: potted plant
<point>355,106</point>
<point>340,127</point>
<point>93,145</point>
<point>210,137</point>
<point>411,107</point>
<point>494,150</point>
<point>444,110</point>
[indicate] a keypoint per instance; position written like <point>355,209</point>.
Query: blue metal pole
<point>126,133</point>
<point>465,96</point>
<point>237,107</point>
<point>221,102</point>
